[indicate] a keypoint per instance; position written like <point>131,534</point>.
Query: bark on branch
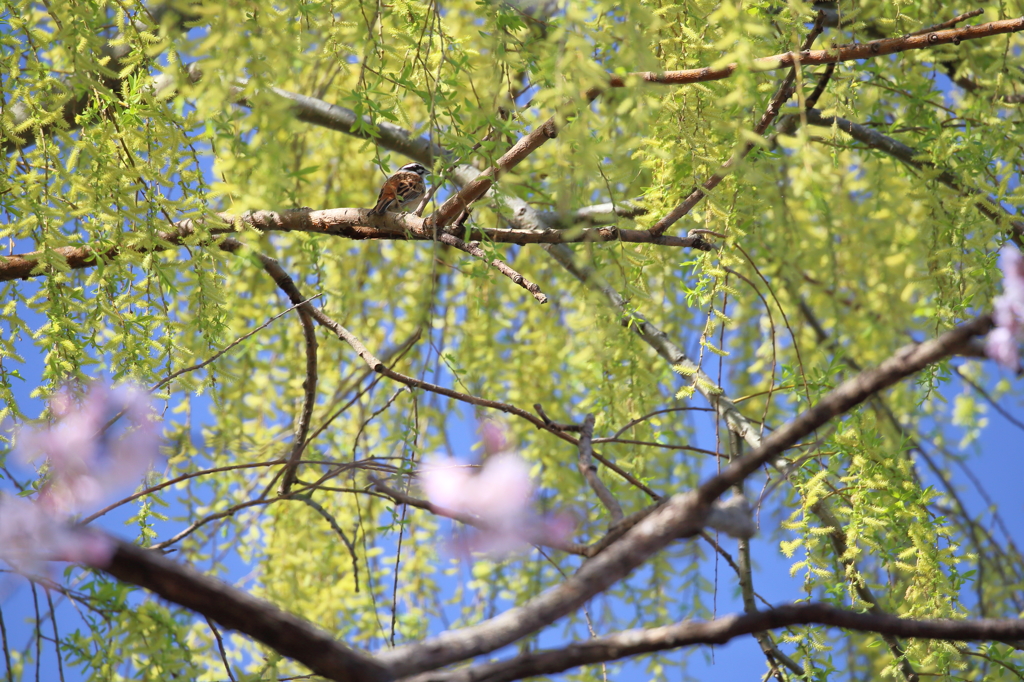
<point>720,631</point>
<point>234,609</point>
<point>347,223</point>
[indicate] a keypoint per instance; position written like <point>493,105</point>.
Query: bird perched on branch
<point>403,188</point>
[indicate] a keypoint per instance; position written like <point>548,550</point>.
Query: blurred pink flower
<point>499,496</point>
<point>31,534</point>
<point>1002,343</point>
<point>89,462</point>
<point>493,436</point>
<point>1001,346</point>
<point>90,459</point>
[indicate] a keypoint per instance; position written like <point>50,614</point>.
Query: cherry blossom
<point>1003,342</point>
<point>91,456</point>
<point>499,495</point>
<point>31,534</point>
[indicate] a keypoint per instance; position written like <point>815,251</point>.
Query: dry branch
<point>496,263</point>
<point>308,400</point>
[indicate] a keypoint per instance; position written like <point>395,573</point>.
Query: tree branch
<point>842,53</point>
<point>237,610</point>
<point>499,265</point>
<point>348,223</point>
<point>720,631</point>
<point>587,468</point>
<point>308,401</point>
<point>472,191</point>
<point>849,394</point>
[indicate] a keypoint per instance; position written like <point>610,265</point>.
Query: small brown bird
<point>402,189</point>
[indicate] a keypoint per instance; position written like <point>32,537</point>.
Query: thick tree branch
<point>844,397</point>
<point>720,631</point>
<point>348,223</point>
<point>237,610</point>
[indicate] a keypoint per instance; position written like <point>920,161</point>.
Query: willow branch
<point>781,96</point>
<point>660,342</point>
<point>842,53</point>
<point>849,394</point>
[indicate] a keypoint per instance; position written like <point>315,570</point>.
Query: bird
<point>404,187</point>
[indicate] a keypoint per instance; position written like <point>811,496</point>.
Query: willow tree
<point>678,247</point>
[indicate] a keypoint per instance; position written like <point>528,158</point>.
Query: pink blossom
<point>499,496</point>
<point>87,461</point>
<point>1003,342</point>
<point>493,436</point>
<point>1011,262</point>
<point>1001,346</point>
<point>31,534</point>
<point>91,456</point>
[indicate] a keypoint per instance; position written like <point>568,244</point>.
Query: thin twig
<point>467,519</point>
<point>640,420</point>
<point>7,648</point>
<point>220,647</point>
<point>949,23</point>
<point>174,375</point>
<point>989,399</point>
<point>316,506</point>
<point>496,263</point>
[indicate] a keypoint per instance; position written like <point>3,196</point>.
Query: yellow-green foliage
<point>810,223</point>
